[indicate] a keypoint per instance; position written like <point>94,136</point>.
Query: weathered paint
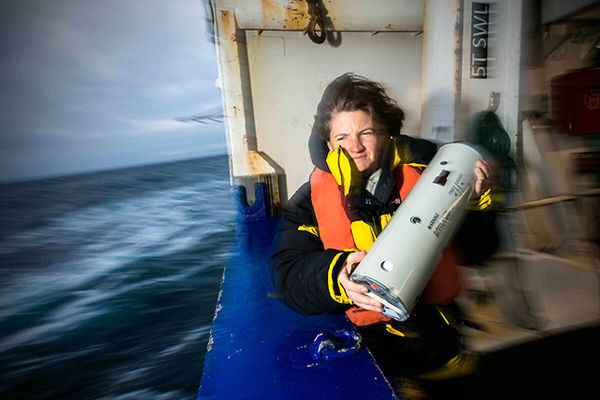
<point>292,16</point>
<point>244,160</point>
<point>296,15</point>
<point>390,15</point>
<point>269,11</point>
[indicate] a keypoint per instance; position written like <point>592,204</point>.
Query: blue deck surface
<point>259,347</point>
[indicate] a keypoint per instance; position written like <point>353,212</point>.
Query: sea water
<point>109,281</point>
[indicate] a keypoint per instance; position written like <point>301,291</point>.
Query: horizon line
<point>106,169</point>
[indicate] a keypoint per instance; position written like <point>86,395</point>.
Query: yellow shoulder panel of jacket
<point>336,290</point>
<point>310,229</point>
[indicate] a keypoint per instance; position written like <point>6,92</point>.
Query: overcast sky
<point>87,85</point>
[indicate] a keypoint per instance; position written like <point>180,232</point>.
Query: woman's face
<point>356,132</point>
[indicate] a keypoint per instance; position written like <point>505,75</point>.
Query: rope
<point>550,200</point>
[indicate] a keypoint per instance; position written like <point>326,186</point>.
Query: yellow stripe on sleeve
<point>416,165</point>
<point>338,295</point>
<point>310,229</point>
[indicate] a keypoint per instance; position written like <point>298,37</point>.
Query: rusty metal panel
<point>244,160</point>
<point>346,15</point>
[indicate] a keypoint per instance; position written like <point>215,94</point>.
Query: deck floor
<point>535,333</point>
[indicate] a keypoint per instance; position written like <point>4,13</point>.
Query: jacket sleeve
<point>303,272</point>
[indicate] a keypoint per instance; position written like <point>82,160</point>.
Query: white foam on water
<point>104,238</point>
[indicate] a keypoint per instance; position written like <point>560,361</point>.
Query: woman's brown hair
<point>351,92</point>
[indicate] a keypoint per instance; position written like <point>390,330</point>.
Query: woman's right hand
<point>355,291</point>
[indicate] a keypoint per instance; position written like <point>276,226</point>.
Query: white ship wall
<point>272,75</point>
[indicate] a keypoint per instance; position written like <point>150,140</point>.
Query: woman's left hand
<point>485,175</point>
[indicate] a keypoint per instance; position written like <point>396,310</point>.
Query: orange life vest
<point>336,233</point>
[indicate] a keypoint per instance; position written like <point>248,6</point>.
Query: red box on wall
<point>576,102</point>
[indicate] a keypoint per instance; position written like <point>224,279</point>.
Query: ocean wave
<point>112,293</point>
<point>146,394</point>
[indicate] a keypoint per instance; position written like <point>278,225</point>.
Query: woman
<point>364,168</point>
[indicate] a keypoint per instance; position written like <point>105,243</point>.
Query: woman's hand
<point>485,175</point>
<point>355,291</point>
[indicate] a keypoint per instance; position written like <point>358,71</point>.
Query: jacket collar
<point>318,150</point>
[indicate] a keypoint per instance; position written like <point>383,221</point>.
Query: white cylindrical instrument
<point>402,259</point>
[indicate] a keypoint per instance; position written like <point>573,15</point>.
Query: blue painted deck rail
<point>260,349</point>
